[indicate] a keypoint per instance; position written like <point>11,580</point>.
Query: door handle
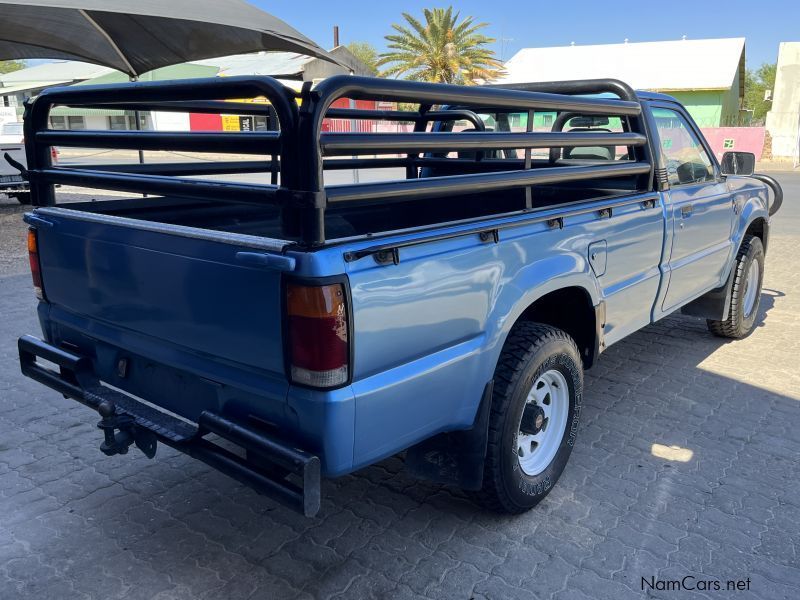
<point>686,211</point>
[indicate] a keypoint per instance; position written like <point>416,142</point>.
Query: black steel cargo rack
<point>298,150</point>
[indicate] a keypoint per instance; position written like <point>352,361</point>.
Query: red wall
<point>741,139</point>
<point>203,122</point>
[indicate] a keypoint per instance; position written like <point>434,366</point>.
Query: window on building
<point>120,123</point>
<point>76,122</point>
<point>687,159</point>
<point>58,123</point>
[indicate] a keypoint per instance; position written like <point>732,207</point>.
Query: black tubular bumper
<point>777,190</point>
<point>127,421</point>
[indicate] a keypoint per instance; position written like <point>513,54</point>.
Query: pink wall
<point>741,139</point>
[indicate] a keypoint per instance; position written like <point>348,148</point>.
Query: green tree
<point>366,53</point>
<point>756,83</point>
<point>6,66</point>
<point>442,50</point>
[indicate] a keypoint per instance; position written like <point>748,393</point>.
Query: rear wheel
<point>534,418</point>
<point>23,198</point>
<point>746,292</point>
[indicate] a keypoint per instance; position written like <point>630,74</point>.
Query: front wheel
<point>536,407</point>
<point>746,292</point>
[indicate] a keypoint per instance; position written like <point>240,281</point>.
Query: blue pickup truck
<point>282,323</point>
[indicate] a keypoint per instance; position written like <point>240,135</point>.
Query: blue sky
<point>518,24</point>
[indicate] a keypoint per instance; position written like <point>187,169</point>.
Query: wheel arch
<point>758,227</point>
<point>572,310</point>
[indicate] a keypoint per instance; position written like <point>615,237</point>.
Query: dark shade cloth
<point>138,36</point>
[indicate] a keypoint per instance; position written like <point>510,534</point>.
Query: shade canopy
<point>142,35</point>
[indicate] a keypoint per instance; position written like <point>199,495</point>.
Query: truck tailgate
<point>177,286</point>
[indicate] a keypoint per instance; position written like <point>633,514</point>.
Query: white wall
<point>7,114</point>
<point>170,121</point>
<point>784,118</point>
<point>96,122</point>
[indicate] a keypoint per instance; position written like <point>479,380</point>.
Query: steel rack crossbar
<point>266,142</point>
<point>297,148</point>
<point>333,144</point>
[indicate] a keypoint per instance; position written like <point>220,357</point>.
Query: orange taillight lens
<point>319,350</point>
<point>33,258</point>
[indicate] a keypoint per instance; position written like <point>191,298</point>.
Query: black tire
<point>531,350</point>
<point>738,324</point>
<point>23,198</point>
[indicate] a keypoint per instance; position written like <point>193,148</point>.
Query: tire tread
<point>730,327</point>
<point>524,341</point>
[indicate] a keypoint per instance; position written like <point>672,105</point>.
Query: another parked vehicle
<point>450,313</point>
<point>13,162</point>
<point>12,143</point>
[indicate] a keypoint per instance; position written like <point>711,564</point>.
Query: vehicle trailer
<point>444,304</point>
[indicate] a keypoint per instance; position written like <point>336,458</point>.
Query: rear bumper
<point>14,186</point>
<point>127,421</point>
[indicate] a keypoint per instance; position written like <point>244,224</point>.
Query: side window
<point>687,160</point>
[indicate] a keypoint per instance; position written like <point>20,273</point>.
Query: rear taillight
<point>53,154</point>
<point>319,351</point>
<point>36,268</point>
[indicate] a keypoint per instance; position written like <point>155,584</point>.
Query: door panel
<point>629,277</point>
<point>701,221</point>
<point>700,208</point>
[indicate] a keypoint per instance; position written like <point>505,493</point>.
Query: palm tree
<point>442,50</point>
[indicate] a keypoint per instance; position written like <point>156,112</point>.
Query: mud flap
<point>455,457</point>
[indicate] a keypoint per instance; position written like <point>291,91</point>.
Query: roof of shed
<point>275,64</point>
<point>671,66</point>
<point>57,72</point>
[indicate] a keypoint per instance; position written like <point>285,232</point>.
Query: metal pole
<point>353,126</point>
<point>138,125</point>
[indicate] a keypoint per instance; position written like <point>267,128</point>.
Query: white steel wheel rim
<point>751,288</point>
<point>550,393</point>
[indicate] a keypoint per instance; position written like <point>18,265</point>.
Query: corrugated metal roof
<point>5,90</point>
<point>182,71</point>
<point>74,111</point>
<point>276,64</point>
<point>671,66</point>
<point>57,70</point>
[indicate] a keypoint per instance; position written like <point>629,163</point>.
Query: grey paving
<point>75,524</point>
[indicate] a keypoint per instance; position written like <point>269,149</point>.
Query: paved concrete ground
<point>685,465</point>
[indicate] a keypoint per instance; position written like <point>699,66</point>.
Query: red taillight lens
<point>33,258</point>
<point>319,352</point>
<point>53,154</point>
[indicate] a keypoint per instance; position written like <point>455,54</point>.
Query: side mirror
<point>738,163</point>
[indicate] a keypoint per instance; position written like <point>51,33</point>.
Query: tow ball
<point>120,431</point>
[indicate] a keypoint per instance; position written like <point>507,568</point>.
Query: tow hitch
<point>126,421</point>
<point>118,443</point>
